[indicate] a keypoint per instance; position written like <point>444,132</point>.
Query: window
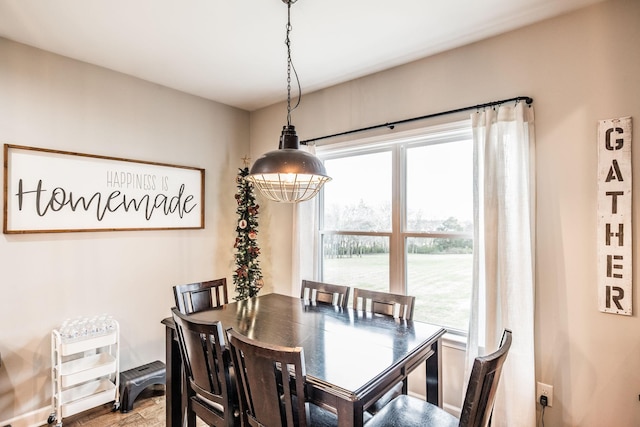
<point>398,217</point>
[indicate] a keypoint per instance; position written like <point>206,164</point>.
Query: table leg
<point>173,386</point>
<point>434,374</point>
<point>349,414</point>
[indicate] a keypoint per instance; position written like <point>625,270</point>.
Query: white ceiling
<point>233,51</point>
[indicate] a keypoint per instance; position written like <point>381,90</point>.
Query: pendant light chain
<point>289,175</point>
<point>290,66</point>
<point>288,43</point>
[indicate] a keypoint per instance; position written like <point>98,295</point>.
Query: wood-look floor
<point>148,411</point>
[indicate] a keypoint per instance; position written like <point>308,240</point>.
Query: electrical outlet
<point>544,390</point>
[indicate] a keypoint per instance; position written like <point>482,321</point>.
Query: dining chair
<point>272,385</point>
<point>194,297</point>
<point>210,381</point>
<point>477,406</point>
<point>395,305</point>
<point>325,293</point>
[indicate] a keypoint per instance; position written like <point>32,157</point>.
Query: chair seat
<point>386,398</point>
<point>320,417</point>
<point>407,411</point>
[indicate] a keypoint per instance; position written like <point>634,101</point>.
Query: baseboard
<point>35,418</point>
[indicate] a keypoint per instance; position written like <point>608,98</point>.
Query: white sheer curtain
<point>303,245</point>
<point>503,271</point>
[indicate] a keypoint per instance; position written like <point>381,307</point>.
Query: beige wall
<point>53,102</point>
<point>579,68</point>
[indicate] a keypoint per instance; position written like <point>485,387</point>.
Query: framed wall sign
<point>615,256</point>
<point>49,191</point>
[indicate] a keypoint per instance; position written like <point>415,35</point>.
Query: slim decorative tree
<point>247,277</point>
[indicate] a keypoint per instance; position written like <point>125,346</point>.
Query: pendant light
<point>288,174</point>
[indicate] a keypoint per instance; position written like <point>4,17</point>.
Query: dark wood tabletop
<point>351,357</point>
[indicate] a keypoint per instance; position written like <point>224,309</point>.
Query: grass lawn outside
<point>441,283</point>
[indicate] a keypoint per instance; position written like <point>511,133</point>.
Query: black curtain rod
<point>391,125</point>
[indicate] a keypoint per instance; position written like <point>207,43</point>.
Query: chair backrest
<point>325,293</point>
<point>267,399</point>
<point>396,305</point>
<point>194,297</point>
<point>206,361</point>
<point>483,384</point>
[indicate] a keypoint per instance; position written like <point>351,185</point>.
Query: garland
<point>247,277</point>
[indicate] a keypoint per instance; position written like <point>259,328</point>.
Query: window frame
<point>398,234</point>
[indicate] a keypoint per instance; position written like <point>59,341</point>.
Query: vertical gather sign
<point>615,286</point>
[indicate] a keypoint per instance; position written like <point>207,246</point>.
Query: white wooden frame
<point>49,191</point>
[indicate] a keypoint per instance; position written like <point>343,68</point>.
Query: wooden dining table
<point>352,358</point>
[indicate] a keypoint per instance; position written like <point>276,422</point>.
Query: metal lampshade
<point>288,174</point>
